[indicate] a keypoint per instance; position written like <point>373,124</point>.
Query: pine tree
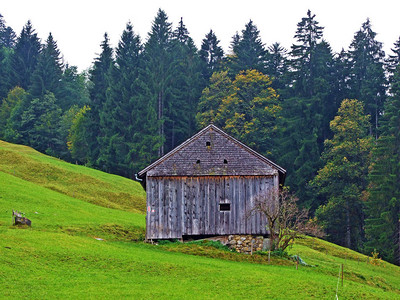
<point>74,88</point>
<point>393,60</point>
<point>367,77</point>
<point>25,57</point>
<point>309,103</point>
<point>308,35</point>
<point>186,87</point>
<point>249,51</point>
<point>121,116</point>
<point>48,70</point>
<point>277,65</point>
<point>99,77</point>
<point>343,178</point>
<point>211,54</point>
<point>40,124</point>
<point>383,204</point>
<point>7,35</point>
<point>7,42</point>
<point>159,71</point>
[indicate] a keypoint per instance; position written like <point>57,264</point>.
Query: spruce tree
<point>48,70</point>
<point>159,72</point>
<point>383,205</point>
<point>309,103</point>
<point>367,77</point>
<point>99,77</point>
<point>25,57</point>
<point>248,51</point>
<point>277,65</point>
<point>186,88</point>
<point>211,54</point>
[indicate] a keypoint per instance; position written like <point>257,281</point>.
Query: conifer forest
<point>332,120</point>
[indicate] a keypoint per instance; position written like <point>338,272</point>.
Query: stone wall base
<point>247,243</point>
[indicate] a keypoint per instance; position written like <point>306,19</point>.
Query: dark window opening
<point>225,161</point>
<point>198,161</point>
<point>208,144</point>
<point>224,207</point>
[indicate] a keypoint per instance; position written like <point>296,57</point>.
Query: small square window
<point>224,207</point>
<point>208,144</point>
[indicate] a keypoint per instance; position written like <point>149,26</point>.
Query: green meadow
<point>86,241</point>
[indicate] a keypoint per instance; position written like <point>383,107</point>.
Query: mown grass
<point>81,247</point>
<point>76,181</point>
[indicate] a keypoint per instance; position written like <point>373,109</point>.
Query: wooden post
<point>269,256</point>
<point>342,275</point>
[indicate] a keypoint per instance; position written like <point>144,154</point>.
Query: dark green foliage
<point>7,35</point>
<point>100,78</point>
<point>25,57</point>
<point>309,103</point>
<point>277,66</point>
<point>48,71</point>
<point>73,90</point>
<point>40,125</point>
<point>159,71</point>
<point>211,54</point>
<point>13,99</point>
<point>7,42</point>
<point>342,180</point>
<point>248,51</point>
<point>367,77</point>
<point>383,205</point>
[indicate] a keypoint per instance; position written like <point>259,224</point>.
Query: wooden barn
<point>206,186</point>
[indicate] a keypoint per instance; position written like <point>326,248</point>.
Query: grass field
<point>85,242</point>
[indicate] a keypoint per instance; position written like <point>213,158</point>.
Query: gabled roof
<point>212,152</point>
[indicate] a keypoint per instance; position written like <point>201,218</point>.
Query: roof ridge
<point>199,134</point>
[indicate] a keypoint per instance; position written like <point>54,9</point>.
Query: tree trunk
<point>160,116</point>
<point>348,228</point>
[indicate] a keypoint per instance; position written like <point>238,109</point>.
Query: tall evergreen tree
<point>343,178</point>
<point>383,204</point>
<point>25,57</point>
<point>248,51</point>
<point>277,65</point>
<point>159,71</point>
<point>393,60</point>
<point>100,78</point>
<point>309,103</point>
<point>186,88</point>
<point>48,70</point>
<point>367,77</point>
<point>211,54</point>
<point>122,117</point>
<point>7,34</point>
<point>40,124</point>
<point>308,35</point>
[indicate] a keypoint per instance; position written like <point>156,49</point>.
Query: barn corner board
<point>206,186</point>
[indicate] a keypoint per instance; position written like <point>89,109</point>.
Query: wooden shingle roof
<point>212,152</point>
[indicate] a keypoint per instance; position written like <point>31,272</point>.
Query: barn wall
<point>179,206</point>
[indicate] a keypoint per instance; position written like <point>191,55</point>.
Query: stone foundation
<point>246,243</point>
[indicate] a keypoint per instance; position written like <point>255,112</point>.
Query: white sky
<point>78,26</point>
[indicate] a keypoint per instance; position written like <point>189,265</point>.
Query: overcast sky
<point>78,26</point>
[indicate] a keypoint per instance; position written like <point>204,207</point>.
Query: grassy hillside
<point>85,243</point>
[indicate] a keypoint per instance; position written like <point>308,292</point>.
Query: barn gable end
<point>212,152</point>
<point>206,186</point>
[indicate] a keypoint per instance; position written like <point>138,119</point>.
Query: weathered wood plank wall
<point>180,206</point>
